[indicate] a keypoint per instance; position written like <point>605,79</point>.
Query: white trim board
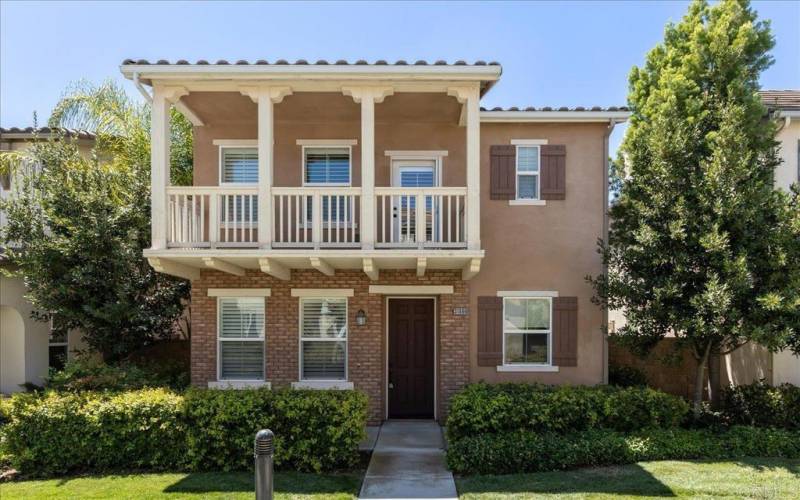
<point>239,292</point>
<point>235,143</point>
<point>322,292</point>
<point>415,155</point>
<point>529,142</point>
<point>411,289</point>
<point>327,142</point>
<point>340,385</point>
<point>527,293</point>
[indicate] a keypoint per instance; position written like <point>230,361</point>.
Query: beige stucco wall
<point>788,137</point>
<point>402,122</point>
<point>785,368</point>
<point>546,248</point>
<point>35,335</point>
<point>12,350</point>
<point>747,364</point>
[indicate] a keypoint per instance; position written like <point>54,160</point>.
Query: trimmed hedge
<point>526,451</point>
<point>762,405</point>
<point>60,432</point>
<point>483,408</point>
<point>155,429</point>
<point>314,430</point>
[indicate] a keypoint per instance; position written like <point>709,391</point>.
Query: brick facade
<point>366,344</point>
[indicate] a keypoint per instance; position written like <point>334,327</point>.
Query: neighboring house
<point>785,106</point>
<point>370,226</point>
<point>751,362</point>
<point>28,348</point>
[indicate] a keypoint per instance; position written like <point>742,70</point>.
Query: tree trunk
<point>702,364</point>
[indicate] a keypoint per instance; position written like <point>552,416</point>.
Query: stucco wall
<point>550,247</point>
<point>788,137</point>
<point>12,294</point>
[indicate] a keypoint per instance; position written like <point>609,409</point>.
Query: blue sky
<point>553,54</point>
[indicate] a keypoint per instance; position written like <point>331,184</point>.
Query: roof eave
<point>554,116</point>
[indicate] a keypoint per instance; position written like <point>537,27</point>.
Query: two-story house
<point>369,226</point>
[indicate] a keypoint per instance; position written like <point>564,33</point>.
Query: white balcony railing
<point>316,217</point>
<point>421,217</point>
<point>212,216</point>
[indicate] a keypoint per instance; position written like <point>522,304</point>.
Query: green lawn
<point>751,478</point>
<point>233,485</point>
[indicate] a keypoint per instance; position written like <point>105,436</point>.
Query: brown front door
<point>411,363</point>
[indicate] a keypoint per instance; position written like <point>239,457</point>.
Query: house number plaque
<point>459,311</point>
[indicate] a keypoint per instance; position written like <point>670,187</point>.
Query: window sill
<point>239,384</point>
<point>527,368</point>
<point>538,203</point>
<point>341,385</point>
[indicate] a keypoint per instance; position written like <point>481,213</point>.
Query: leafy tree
<point>701,245</point>
<point>80,224</point>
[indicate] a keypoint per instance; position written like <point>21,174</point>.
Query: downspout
<point>606,137</point>
<point>141,88</point>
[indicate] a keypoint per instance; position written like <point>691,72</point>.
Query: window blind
<point>240,165</point>
<point>324,338</point>
<point>241,338</point>
<point>327,165</point>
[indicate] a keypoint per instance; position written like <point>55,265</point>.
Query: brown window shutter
<point>565,331</point>
<point>554,172</point>
<point>503,170</point>
<point>490,331</point>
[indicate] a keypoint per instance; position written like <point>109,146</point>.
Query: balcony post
<point>469,97</point>
<point>265,98</point>
<point>368,96</point>
<point>163,97</point>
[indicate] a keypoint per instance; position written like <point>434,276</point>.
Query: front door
<point>411,359</point>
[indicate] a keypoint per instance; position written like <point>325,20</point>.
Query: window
<point>241,338</point>
<point>527,329</point>
<point>326,166</point>
<point>527,172</point>
<point>238,165</point>
<point>323,338</point>
<point>57,345</point>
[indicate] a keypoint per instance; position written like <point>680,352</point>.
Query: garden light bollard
<point>264,449</point>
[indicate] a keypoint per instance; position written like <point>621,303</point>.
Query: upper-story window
<point>326,166</point>
<point>238,165</point>
<point>528,172</point>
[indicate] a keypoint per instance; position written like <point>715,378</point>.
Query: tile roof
<point>563,108</point>
<point>44,131</point>
<point>781,99</point>
<point>303,62</point>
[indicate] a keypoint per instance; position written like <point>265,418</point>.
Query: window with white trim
<point>238,165</point>
<point>528,172</point>
<point>527,330</point>
<point>323,338</point>
<point>57,346</point>
<point>326,166</point>
<point>241,338</point>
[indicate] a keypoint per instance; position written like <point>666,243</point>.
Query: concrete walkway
<point>408,462</point>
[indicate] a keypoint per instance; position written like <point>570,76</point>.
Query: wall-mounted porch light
<point>361,318</point>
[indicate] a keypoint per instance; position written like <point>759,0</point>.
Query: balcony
<point>317,218</point>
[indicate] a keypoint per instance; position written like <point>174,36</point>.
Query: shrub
<point>314,430</point>
<point>483,408</point>
<point>88,373</point>
<point>763,405</point>
<point>626,376</point>
<point>156,429</point>
<point>56,433</point>
<point>526,451</point>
